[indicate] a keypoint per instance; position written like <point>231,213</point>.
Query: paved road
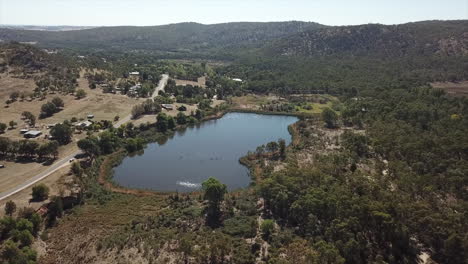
<point>54,167</point>
<point>66,160</point>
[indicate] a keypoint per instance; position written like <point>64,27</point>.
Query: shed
<point>32,134</point>
<point>167,106</point>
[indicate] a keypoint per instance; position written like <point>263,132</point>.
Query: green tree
<point>267,227</point>
<point>24,237</point>
<point>80,94</point>
<point>58,102</point>
<point>162,122</point>
<point>55,210</point>
<point>48,149</point>
<point>214,192</point>
<point>3,127</point>
<point>62,133</point>
<point>282,148</point>
<point>31,119</point>
<point>76,169</point>
<point>90,146</point>
<point>272,146</point>
<point>10,208</point>
<point>48,109</point>
<point>12,254</point>
<point>40,192</point>
<point>171,123</point>
<point>330,118</point>
<point>12,124</point>
<point>181,118</point>
<point>198,114</point>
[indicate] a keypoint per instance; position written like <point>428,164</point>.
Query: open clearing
<point>200,82</point>
<point>452,88</point>
<point>102,106</point>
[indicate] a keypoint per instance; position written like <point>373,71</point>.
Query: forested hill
<point>412,39</point>
<point>183,37</point>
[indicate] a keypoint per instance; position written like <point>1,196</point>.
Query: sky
<point>159,12</point>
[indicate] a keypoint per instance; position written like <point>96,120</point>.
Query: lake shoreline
<point>106,172</point>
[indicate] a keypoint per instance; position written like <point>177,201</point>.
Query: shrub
<point>267,227</point>
<point>40,192</point>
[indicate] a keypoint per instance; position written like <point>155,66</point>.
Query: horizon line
<point>220,23</point>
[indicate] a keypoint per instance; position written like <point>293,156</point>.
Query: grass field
<point>317,107</point>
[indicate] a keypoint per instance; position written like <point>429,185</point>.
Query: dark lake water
<point>212,149</point>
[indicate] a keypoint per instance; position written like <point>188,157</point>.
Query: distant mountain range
<point>45,28</point>
<point>292,38</point>
<point>183,37</point>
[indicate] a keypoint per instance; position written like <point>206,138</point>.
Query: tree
<point>329,117</point>
<point>214,192</point>
<point>272,146</point>
<point>55,210</point>
<point>40,192</point>
<point>137,111</point>
<point>80,94</point>
<point>3,127</point>
<point>29,117</point>
<point>48,149</point>
<point>76,169</point>
<point>162,122</point>
<point>182,108</point>
<point>181,118</point>
<point>62,133</point>
<point>171,124</point>
<point>58,102</point>
<point>12,254</point>
<point>10,208</point>
<point>28,148</point>
<point>90,146</point>
<point>48,109</point>
<point>198,114</point>
<point>282,148</point>
<point>267,227</point>
<point>355,143</point>
<point>24,237</point>
<point>5,145</point>
<point>12,124</point>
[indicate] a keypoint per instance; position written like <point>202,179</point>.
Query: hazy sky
<point>157,12</point>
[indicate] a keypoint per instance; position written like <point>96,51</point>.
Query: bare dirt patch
<point>200,82</point>
<point>452,88</point>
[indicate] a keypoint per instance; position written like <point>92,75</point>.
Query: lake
<point>211,149</point>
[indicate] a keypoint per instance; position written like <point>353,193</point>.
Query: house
<point>32,134</point>
<point>90,116</point>
<point>135,73</point>
<point>134,90</point>
<point>168,107</point>
<point>24,130</point>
